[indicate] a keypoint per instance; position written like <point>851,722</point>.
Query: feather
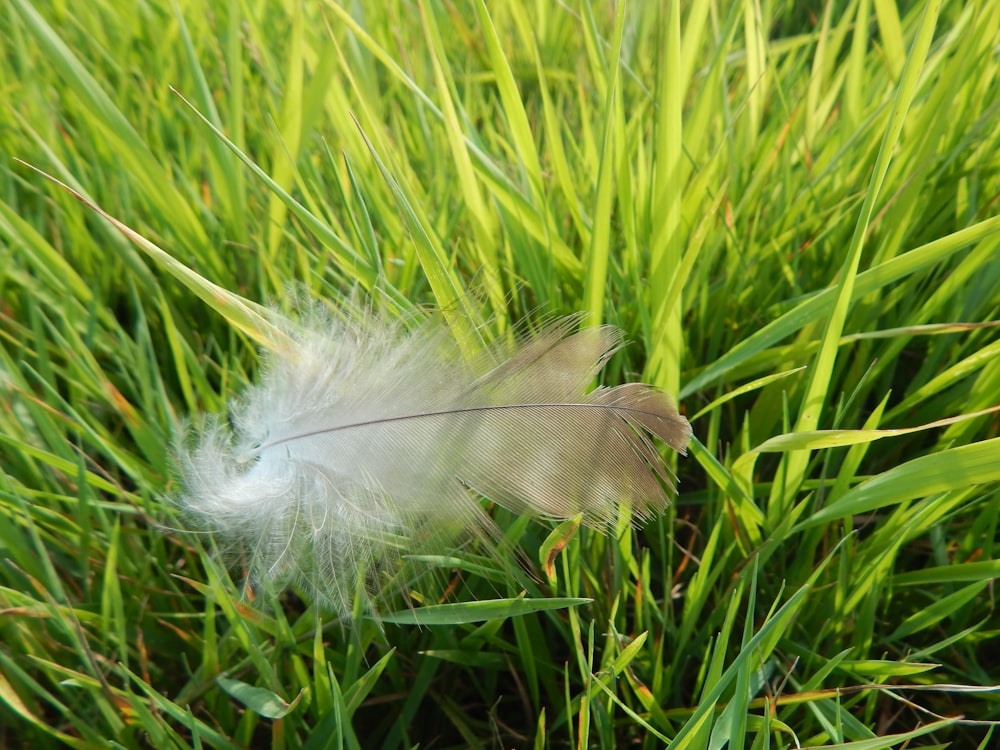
<point>363,437</point>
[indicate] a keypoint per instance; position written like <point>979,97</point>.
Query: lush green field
<point>791,211</point>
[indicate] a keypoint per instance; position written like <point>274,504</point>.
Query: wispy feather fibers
<point>363,436</point>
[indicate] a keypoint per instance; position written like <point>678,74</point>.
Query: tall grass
<point>792,212</point>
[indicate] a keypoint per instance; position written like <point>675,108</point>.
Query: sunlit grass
<point>792,216</point>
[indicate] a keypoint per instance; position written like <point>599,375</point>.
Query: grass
<point>791,211</point>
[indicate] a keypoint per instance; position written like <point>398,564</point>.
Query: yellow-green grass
<point>792,212</point>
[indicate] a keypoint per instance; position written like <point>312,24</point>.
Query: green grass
<point>792,212</point>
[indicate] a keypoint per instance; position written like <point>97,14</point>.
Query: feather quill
<point>362,436</point>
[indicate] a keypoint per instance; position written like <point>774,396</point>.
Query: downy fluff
<point>364,440</point>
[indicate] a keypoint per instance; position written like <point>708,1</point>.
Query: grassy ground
<point>793,213</point>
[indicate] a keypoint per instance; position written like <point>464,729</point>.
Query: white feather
<point>362,437</point>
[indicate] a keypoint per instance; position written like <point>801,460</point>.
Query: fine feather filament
<point>363,441</point>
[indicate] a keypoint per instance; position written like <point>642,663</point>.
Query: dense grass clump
<point>792,211</point>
